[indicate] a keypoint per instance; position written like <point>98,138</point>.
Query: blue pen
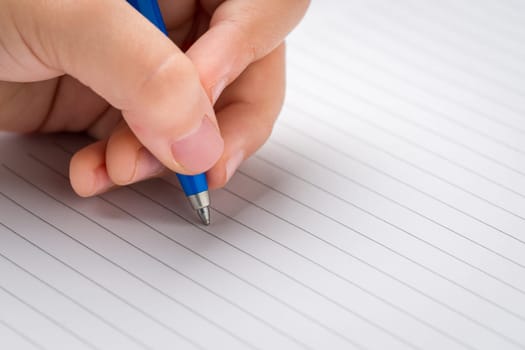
<point>195,186</point>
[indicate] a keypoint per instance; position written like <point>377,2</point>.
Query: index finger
<point>241,32</point>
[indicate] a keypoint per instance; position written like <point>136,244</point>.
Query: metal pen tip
<point>204,215</point>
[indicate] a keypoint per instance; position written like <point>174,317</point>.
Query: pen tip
<point>204,215</point>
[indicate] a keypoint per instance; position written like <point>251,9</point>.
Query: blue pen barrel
<point>193,184</point>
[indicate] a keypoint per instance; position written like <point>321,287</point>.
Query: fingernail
<point>147,165</point>
<point>218,89</point>
<point>198,151</point>
<point>233,164</point>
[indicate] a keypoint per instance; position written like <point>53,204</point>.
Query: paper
<point>386,212</point>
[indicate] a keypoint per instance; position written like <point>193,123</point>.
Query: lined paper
<point>387,211</point>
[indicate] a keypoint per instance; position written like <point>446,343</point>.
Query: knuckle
<point>161,75</point>
<point>160,81</point>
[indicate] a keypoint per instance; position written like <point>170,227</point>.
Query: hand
<point>99,66</point>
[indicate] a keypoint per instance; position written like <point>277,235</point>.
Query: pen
<point>195,187</point>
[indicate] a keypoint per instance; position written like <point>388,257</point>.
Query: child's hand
<point>75,65</point>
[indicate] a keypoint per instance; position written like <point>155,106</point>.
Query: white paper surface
<point>386,212</point>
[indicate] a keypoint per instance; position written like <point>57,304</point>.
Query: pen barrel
<point>193,184</point>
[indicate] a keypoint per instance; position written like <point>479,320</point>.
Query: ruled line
<point>22,335</point>
<point>508,10</point>
<point>347,253</point>
<point>378,170</point>
<point>456,311</point>
<point>346,280</point>
<point>467,317</point>
<point>100,286</point>
<point>209,233</point>
<point>368,264</point>
<point>479,17</point>
<point>507,233</point>
<point>361,260</point>
<point>417,167</point>
<point>413,211</point>
<point>435,92</point>
<point>283,303</point>
<point>115,205</point>
<point>338,304</point>
<point>398,116</point>
<point>458,26</point>
<point>415,144</point>
<point>364,262</point>
<point>470,291</point>
<point>433,113</point>
<point>69,298</point>
<point>120,267</point>
<point>50,319</point>
<point>446,62</point>
<point>378,26</point>
<point>132,274</point>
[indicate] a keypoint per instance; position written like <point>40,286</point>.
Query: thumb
<point>114,50</point>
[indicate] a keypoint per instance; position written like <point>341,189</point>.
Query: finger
<point>121,160</point>
<point>247,112</point>
<point>111,48</point>
<point>241,32</point>
<point>127,160</point>
<point>87,170</point>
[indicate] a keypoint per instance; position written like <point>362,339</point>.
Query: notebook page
<point>385,212</point>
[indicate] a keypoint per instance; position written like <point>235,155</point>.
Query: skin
<point>203,100</point>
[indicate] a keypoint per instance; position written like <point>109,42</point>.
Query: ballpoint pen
<point>195,187</point>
